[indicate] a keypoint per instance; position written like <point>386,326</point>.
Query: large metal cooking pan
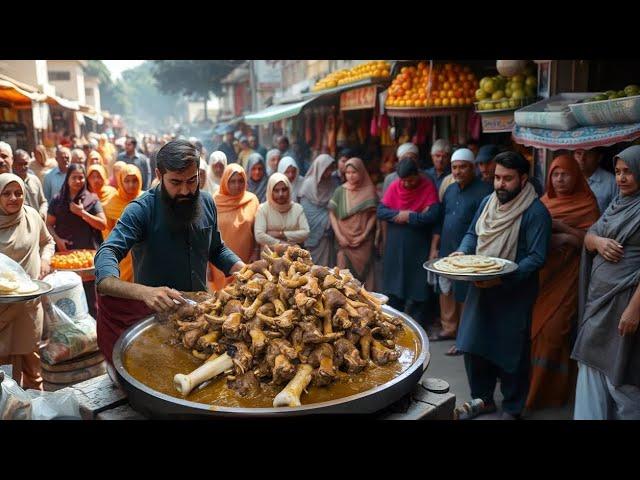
<point>159,405</point>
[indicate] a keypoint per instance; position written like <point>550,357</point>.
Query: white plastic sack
<point>49,405</point>
<point>69,329</point>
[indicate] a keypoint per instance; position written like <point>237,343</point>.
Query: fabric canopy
<point>12,93</point>
<point>578,138</point>
<point>275,113</point>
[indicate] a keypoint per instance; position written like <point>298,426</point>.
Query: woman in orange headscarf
<point>236,216</point>
<point>573,209</point>
<point>129,188</point>
<point>97,183</point>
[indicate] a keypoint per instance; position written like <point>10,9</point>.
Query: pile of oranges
<point>73,260</point>
<point>375,69</point>
<point>443,86</point>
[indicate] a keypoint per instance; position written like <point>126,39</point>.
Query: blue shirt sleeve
<point>386,213</point>
<point>427,218</point>
<point>128,231</point>
<point>470,239</point>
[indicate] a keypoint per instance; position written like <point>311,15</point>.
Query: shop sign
<point>497,123</point>
<point>358,99</point>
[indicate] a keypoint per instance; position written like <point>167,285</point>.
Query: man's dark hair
<point>133,141</point>
<point>21,153</point>
<point>513,161</point>
<point>283,138</point>
<point>347,152</point>
<point>177,156</point>
<point>406,168</point>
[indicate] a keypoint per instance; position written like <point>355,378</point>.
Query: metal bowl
<point>159,405</point>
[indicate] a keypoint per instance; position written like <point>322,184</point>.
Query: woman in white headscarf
<point>290,169</point>
<point>25,239</point>
<point>316,191</point>
<point>273,158</point>
<point>217,164</point>
<point>279,219</point>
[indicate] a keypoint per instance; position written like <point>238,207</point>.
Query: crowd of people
<point>573,302</point>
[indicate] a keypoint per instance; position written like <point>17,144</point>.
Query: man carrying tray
<point>172,232</point>
<point>494,331</point>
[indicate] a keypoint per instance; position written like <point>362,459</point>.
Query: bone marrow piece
<point>290,395</point>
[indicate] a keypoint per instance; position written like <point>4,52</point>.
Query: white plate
<point>23,297</point>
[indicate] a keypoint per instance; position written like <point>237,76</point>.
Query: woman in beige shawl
<point>25,239</point>
<point>279,220</point>
<point>352,211</point>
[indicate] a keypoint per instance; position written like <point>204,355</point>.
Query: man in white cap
<point>406,150</point>
<point>459,204</point>
<point>440,154</point>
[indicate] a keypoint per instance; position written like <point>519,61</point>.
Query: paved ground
<point>452,370</point>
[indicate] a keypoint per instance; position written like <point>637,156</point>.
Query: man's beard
<point>181,213</point>
<point>505,196</point>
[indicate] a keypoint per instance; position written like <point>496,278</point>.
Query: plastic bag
<point>69,329</point>
<point>13,279</point>
<point>49,405</point>
<point>15,404</point>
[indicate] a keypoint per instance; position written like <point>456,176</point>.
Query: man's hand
<point>402,216</point>
<point>62,244</point>
<point>629,321</point>
<point>610,250</point>
<point>76,208</point>
<point>45,268</point>
<point>161,299</point>
<point>236,267</point>
<point>343,242</point>
<point>456,254</point>
<point>433,254</point>
<point>488,283</point>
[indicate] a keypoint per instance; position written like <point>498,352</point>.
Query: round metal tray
<point>159,405</point>
<point>23,297</point>
<point>509,267</point>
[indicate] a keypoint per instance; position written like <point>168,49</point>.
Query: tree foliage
<point>112,94</point>
<point>193,77</point>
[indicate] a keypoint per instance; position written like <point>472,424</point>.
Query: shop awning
<point>276,112</point>
<point>13,93</point>
<point>578,138</point>
<point>63,102</point>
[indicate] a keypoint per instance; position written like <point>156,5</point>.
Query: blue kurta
<point>496,322</point>
<point>406,249</point>
<point>437,179</point>
<point>459,207</point>
<point>162,257</point>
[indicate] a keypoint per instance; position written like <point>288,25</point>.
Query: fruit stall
<point>580,120</point>
<point>339,111</point>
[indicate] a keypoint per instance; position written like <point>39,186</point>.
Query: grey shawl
<point>605,291</point>
<point>259,189</point>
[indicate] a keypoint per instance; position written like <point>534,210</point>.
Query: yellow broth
<point>153,359</point>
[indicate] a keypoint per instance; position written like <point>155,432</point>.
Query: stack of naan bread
<point>464,264</point>
<point>12,284</point>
